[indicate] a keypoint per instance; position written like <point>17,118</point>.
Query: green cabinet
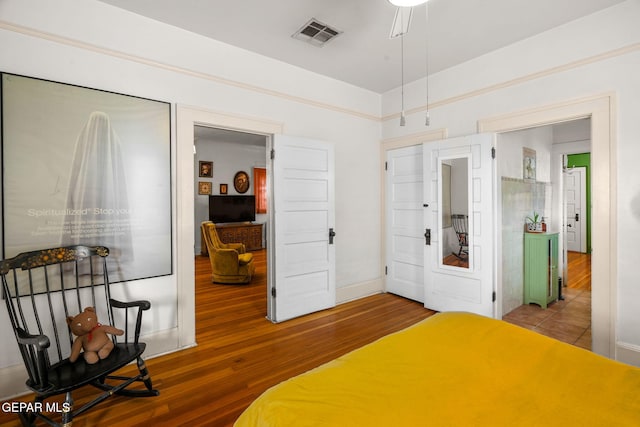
<point>540,268</point>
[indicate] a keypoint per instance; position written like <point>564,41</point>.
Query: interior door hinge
<point>273,292</point>
<point>273,154</point>
<point>386,270</point>
<point>386,165</point>
<point>493,296</point>
<point>493,152</point>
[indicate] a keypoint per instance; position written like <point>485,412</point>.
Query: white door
<point>404,220</point>
<point>575,180</point>
<point>303,276</point>
<point>450,285</point>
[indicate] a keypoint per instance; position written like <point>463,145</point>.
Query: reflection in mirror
<point>454,187</point>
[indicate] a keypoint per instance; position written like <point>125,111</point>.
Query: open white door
<point>575,180</point>
<point>303,276</point>
<point>404,220</point>
<point>459,180</point>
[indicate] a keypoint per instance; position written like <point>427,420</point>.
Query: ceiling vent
<point>316,33</point>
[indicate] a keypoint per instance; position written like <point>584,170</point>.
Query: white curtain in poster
<point>84,166</point>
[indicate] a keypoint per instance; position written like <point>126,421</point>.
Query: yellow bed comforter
<point>456,369</point>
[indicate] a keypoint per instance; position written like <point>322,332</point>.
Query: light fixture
<point>427,120</point>
<point>400,27</point>
<point>407,3</point>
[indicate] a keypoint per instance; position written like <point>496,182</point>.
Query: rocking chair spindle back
<point>41,289</point>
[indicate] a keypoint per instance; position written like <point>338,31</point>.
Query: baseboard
<point>358,290</point>
<point>12,384</point>
<point>628,353</point>
<point>158,344</point>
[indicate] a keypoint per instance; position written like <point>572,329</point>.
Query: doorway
<point>227,152</point>
<point>568,318</point>
<point>318,165</point>
<point>604,238</point>
<point>187,118</point>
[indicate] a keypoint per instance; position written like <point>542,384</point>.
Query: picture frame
<point>205,169</point>
<point>241,182</point>
<point>58,199</point>
<point>223,188</point>
<point>204,187</point>
<point>528,164</point>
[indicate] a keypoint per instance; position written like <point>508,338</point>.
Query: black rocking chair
<point>41,289</point>
<point>460,223</point>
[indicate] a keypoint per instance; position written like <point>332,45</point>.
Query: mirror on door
<point>455,202</point>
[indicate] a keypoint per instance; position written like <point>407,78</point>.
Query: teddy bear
<point>91,336</point>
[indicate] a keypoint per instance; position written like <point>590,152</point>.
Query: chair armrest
<point>236,246</point>
<point>34,352</point>
<point>41,342</point>
<point>225,261</point>
<point>141,305</point>
<point>227,254</point>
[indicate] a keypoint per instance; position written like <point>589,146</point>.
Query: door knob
<point>427,236</point>
<point>332,234</point>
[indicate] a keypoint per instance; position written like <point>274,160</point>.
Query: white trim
<point>413,139</point>
<point>176,69</point>
<point>601,110</point>
<point>520,80</point>
<point>12,384</point>
<point>628,353</point>
<point>31,32</point>
<point>186,118</point>
<point>359,290</point>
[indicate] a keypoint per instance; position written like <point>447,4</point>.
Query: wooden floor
<point>456,261</point>
<point>240,353</point>
<point>568,320</point>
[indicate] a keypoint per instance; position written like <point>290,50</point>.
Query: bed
<point>456,369</point>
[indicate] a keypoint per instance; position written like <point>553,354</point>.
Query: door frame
<point>187,117</point>
<point>601,110</point>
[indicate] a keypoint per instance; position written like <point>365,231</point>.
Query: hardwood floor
<point>568,320</point>
<point>240,353</point>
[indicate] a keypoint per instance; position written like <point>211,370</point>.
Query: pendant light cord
<point>427,121</point>
<point>402,118</point>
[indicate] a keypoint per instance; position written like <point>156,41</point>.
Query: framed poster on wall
<point>86,166</point>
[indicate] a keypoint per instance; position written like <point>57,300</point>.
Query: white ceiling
<point>363,54</point>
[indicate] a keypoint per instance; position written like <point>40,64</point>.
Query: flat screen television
<point>232,208</point>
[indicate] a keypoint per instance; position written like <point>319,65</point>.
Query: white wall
<point>588,57</point>
<point>88,43</point>
<point>228,158</point>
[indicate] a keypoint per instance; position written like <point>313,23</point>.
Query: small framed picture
<point>206,169</point>
<point>204,187</point>
<point>241,182</point>
<point>223,188</point>
<point>528,164</point>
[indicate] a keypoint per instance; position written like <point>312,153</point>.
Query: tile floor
<point>568,320</point>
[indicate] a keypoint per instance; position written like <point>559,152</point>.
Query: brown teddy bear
<point>91,336</point>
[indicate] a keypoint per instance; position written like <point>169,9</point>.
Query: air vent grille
<point>316,33</point>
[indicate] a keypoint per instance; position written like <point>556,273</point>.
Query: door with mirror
<point>459,225</point>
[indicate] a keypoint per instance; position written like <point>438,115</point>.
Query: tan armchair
<point>230,263</point>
